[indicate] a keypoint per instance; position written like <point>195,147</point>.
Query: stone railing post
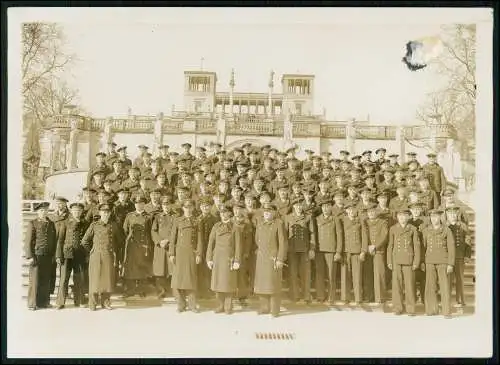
<point>350,136</point>
<point>158,134</point>
<point>189,133</point>
<point>73,145</point>
<point>56,152</point>
<point>221,130</point>
<point>287,131</point>
<point>400,142</point>
<point>106,136</point>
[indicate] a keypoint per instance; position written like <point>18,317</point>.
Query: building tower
<point>298,94</point>
<point>199,91</point>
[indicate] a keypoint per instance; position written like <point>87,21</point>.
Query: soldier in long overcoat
<point>138,252</point>
<point>160,232</point>
<point>101,241</point>
<point>71,256</point>
<point>330,247</point>
<point>272,247</point>
<point>439,248</point>
<point>377,231</point>
<point>206,221</point>
<point>403,258</point>
<point>185,254</point>
<point>463,250</point>
<point>243,225</point>
<point>121,208</point>
<point>39,251</point>
<point>59,218</point>
<point>223,259</point>
<point>436,175</point>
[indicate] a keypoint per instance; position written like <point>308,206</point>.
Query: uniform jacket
<point>161,229</point>
<point>354,236</point>
<point>271,243</point>
<point>70,239</point>
<point>460,233</point>
<point>138,250</point>
<point>377,231</point>
<point>404,245</point>
<point>436,176</point>
<point>224,248</point>
<point>330,234</point>
<point>101,241</point>
<point>439,245</point>
<point>301,233</point>
<point>40,239</point>
<point>185,245</point>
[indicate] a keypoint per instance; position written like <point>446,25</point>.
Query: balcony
<point>250,124</point>
<point>333,131</point>
<point>375,132</point>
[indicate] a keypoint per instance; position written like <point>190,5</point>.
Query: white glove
<point>210,264</point>
<point>236,265</point>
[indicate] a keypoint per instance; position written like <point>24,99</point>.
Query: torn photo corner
<point>421,51</point>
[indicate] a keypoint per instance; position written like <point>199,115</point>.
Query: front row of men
<point>235,255</point>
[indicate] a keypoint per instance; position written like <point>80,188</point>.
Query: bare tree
<point>455,103</point>
<point>45,92</point>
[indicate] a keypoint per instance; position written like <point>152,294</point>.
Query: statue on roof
<point>271,79</point>
<point>231,81</point>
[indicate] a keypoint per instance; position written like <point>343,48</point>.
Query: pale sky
<point>358,68</point>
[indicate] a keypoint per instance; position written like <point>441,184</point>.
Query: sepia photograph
<point>259,182</point>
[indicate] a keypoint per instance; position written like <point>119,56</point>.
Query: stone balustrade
<point>248,124</point>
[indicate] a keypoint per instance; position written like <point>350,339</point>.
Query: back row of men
<point>347,228</point>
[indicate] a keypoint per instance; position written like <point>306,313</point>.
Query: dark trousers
<point>368,280</point>
<point>458,275</point>
<point>326,265</point>
<point>299,272</point>
<point>86,276</point>
<point>40,276</point>
<point>379,277</point>
<point>270,301</point>
<point>351,276</point>
<point>436,273</point>
<point>251,273</point>
<point>420,284</point>
<point>68,267</point>
<point>243,280</point>
<point>53,277</point>
<point>403,284</point>
<point>224,302</point>
<point>185,298</point>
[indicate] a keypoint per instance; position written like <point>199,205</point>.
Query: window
<point>197,106</point>
<point>298,108</point>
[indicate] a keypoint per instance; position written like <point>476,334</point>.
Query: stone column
<point>270,96</point>
<point>158,134</point>
<point>350,136</point>
<point>231,90</point>
<point>189,133</point>
<point>400,142</point>
<point>73,145</point>
<point>287,131</point>
<point>56,139</point>
<point>221,130</point>
<point>107,135</point>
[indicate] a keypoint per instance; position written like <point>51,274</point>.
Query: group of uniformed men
<point>239,223</point>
